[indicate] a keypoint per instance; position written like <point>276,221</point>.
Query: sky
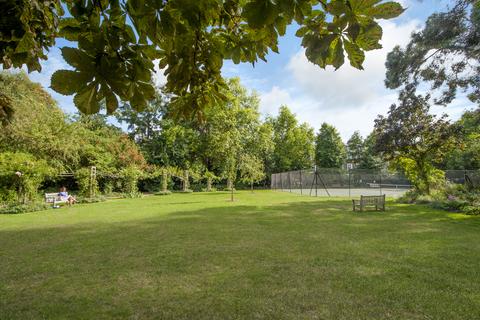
<point>348,98</point>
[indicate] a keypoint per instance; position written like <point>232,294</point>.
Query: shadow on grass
<point>277,261</point>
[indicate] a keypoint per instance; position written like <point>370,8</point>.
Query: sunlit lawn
<point>268,255</point>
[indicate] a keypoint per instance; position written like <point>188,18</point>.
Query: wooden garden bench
<point>369,201</point>
<point>54,198</point>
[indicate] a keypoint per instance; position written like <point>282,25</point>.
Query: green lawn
<point>268,255</point>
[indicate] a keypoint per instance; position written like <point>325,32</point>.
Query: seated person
<point>63,194</point>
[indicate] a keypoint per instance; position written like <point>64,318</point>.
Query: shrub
<point>129,177</point>
<point>91,200</point>
<point>185,191</point>
<point>472,210</point>
<point>84,181</point>
<point>23,174</point>
<point>212,189</point>
<point>409,197</point>
<point>163,193</point>
<point>15,208</point>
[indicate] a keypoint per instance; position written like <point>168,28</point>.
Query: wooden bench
<point>369,201</point>
<point>54,198</point>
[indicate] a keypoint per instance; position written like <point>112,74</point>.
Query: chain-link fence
<point>355,182</point>
<point>471,178</point>
<point>340,182</point>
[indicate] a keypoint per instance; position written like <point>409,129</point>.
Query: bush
<point>129,177</point>
<point>212,189</point>
<point>15,208</point>
<point>409,197</point>
<point>83,178</point>
<point>163,193</point>
<point>185,191</point>
<point>23,174</point>
<point>91,200</point>
<point>472,210</point>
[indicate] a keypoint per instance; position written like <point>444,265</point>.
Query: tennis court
<point>328,182</point>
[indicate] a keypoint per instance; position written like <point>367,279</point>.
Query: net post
<point>316,182</point>
<point>349,184</point>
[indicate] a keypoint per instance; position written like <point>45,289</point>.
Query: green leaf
<point>355,54</point>
<point>301,32</point>
<point>369,37</point>
<point>86,100</point>
<point>259,13</point>
<point>78,59</point>
<point>386,10</point>
<point>337,7</point>
<point>338,57</point>
<point>68,82</point>
<point>26,43</point>
<point>138,102</point>
<point>110,101</point>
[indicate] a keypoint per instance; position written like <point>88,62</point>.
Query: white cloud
<point>349,87</point>
<point>159,78</point>
<point>348,98</point>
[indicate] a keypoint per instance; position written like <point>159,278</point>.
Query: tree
<point>116,41</point>
<point>355,149</point>
<point>41,130</point>
<point>23,173</point>
<point>370,158</point>
<point>329,149</point>
<point>466,156</point>
<point>414,139</point>
<point>293,143</point>
<point>444,53</point>
<point>251,170</point>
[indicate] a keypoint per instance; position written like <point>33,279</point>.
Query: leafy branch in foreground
<point>117,42</point>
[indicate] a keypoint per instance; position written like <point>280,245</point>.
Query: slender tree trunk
<point>251,186</point>
<point>209,184</point>
<point>423,175</point>
<point>229,183</point>
<point>164,182</point>
<point>186,184</point>
<point>231,193</point>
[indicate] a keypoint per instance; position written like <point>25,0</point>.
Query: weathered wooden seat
<point>54,198</point>
<point>377,202</point>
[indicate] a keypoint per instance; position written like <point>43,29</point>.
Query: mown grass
<point>268,255</point>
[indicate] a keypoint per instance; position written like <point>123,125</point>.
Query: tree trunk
<point>423,175</point>
<point>186,184</point>
<point>231,193</point>
<point>251,186</point>
<point>229,184</point>
<point>209,184</point>
<point>164,181</point>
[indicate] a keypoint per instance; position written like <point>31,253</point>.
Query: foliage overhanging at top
<point>445,54</point>
<point>118,40</point>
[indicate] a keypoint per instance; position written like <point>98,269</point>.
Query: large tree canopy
<point>445,54</point>
<point>414,139</point>
<point>330,151</point>
<point>117,42</point>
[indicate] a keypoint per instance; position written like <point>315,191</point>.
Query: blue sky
<point>349,99</point>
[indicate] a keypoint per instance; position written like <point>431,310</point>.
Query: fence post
<point>380,182</point>
<point>301,183</point>
<point>289,182</point>
<point>316,182</point>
